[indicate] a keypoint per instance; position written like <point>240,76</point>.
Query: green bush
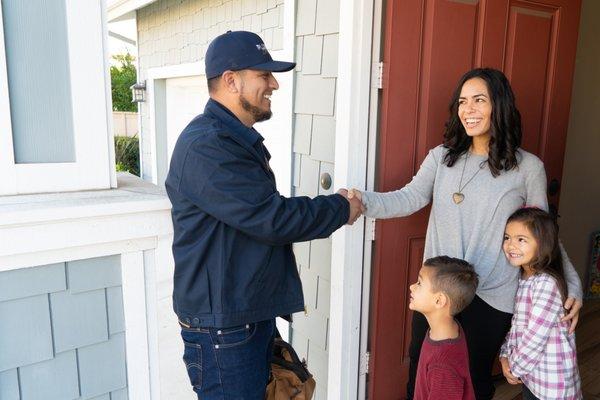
<point>121,79</point>
<point>127,152</point>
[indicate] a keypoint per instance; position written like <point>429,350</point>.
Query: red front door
<point>428,45</point>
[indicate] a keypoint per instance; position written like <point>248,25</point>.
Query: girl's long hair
<point>544,229</point>
<point>505,127</point>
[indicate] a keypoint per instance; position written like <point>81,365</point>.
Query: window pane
<point>37,55</point>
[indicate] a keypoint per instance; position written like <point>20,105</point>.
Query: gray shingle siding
<point>62,333</point>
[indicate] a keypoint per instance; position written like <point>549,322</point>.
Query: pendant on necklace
<point>458,197</point>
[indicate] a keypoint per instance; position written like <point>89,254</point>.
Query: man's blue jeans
<point>229,363</point>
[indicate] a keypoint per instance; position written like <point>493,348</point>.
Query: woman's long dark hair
<point>544,229</point>
<point>505,127</point>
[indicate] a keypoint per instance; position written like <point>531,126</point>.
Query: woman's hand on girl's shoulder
<point>573,306</point>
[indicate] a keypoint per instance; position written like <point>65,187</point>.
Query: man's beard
<point>257,114</point>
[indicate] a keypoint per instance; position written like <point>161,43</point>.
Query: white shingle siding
<point>302,252</point>
<point>317,25</point>
<point>306,14</point>
<point>314,95</point>
<point>322,145</point>
<point>320,257</point>
<point>328,13</point>
<point>330,56</point>
<point>177,32</point>
<point>323,295</point>
<point>309,177</point>
<point>311,55</point>
<point>302,133</point>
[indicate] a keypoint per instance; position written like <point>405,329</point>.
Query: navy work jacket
<point>233,231</point>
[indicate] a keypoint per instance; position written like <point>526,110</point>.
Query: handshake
<point>354,197</point>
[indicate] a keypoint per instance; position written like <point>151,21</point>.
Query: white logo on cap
<point>262,48</point>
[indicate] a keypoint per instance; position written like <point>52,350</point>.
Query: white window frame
<point>91,107</point>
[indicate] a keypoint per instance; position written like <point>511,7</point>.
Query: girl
<point>475,180</point>
<point>538,351</point>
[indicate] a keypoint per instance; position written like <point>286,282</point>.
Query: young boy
<point>444,288</point>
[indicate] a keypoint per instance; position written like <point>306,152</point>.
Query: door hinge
<point>371,229</point>
<point>378,75</point>
<point>364,363</point>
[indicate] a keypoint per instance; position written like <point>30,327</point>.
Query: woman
<point>475,180</point>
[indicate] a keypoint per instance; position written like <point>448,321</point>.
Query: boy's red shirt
<point>443,371</point>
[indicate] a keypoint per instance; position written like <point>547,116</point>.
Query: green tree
<point>121,79</point>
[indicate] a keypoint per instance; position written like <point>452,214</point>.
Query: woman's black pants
<point>485,329</point>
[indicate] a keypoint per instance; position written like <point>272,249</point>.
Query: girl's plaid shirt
<point>539,348</point>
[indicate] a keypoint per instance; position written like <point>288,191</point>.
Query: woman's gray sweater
<point>474,229</point>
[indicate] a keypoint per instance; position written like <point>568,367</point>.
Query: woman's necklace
<point>458,196</point>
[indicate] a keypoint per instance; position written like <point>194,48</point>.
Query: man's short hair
<point>212,83</point>
<point>454,277</point>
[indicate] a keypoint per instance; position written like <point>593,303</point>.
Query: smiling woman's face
<point>475,107</point>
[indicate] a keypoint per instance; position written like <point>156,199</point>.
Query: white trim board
<point>351,150</point>
<point>176,71</point>
<point>136,332</point>
<point>48,228</point>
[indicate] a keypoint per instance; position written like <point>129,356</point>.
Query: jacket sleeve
<point>227,182</point>
<point>444,383</point>
<point>536,197</point>
<point>410,199</point>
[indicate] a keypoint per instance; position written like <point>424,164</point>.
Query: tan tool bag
<point>289,377</point>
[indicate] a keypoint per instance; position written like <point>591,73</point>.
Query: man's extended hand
<point>352,193</point>
<point>356,207</point>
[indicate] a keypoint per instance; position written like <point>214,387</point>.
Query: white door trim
<point>370,185</point>
<point>351,151</point>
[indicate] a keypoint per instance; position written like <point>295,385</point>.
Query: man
<point>234,266</point>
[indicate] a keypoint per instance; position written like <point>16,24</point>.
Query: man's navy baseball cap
<point>239,50</point>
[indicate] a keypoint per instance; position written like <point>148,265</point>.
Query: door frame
<point>369,237</point>
<point>357,106</point>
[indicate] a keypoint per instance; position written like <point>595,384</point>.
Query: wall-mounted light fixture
<point>138,92</point>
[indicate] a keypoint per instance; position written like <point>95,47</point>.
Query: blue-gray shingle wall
<point>62,332</point>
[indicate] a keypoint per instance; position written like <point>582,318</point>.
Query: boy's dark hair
<point>544,229</point>
<point>454,277</point>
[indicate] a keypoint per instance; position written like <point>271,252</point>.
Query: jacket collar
<point>248,135</point>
